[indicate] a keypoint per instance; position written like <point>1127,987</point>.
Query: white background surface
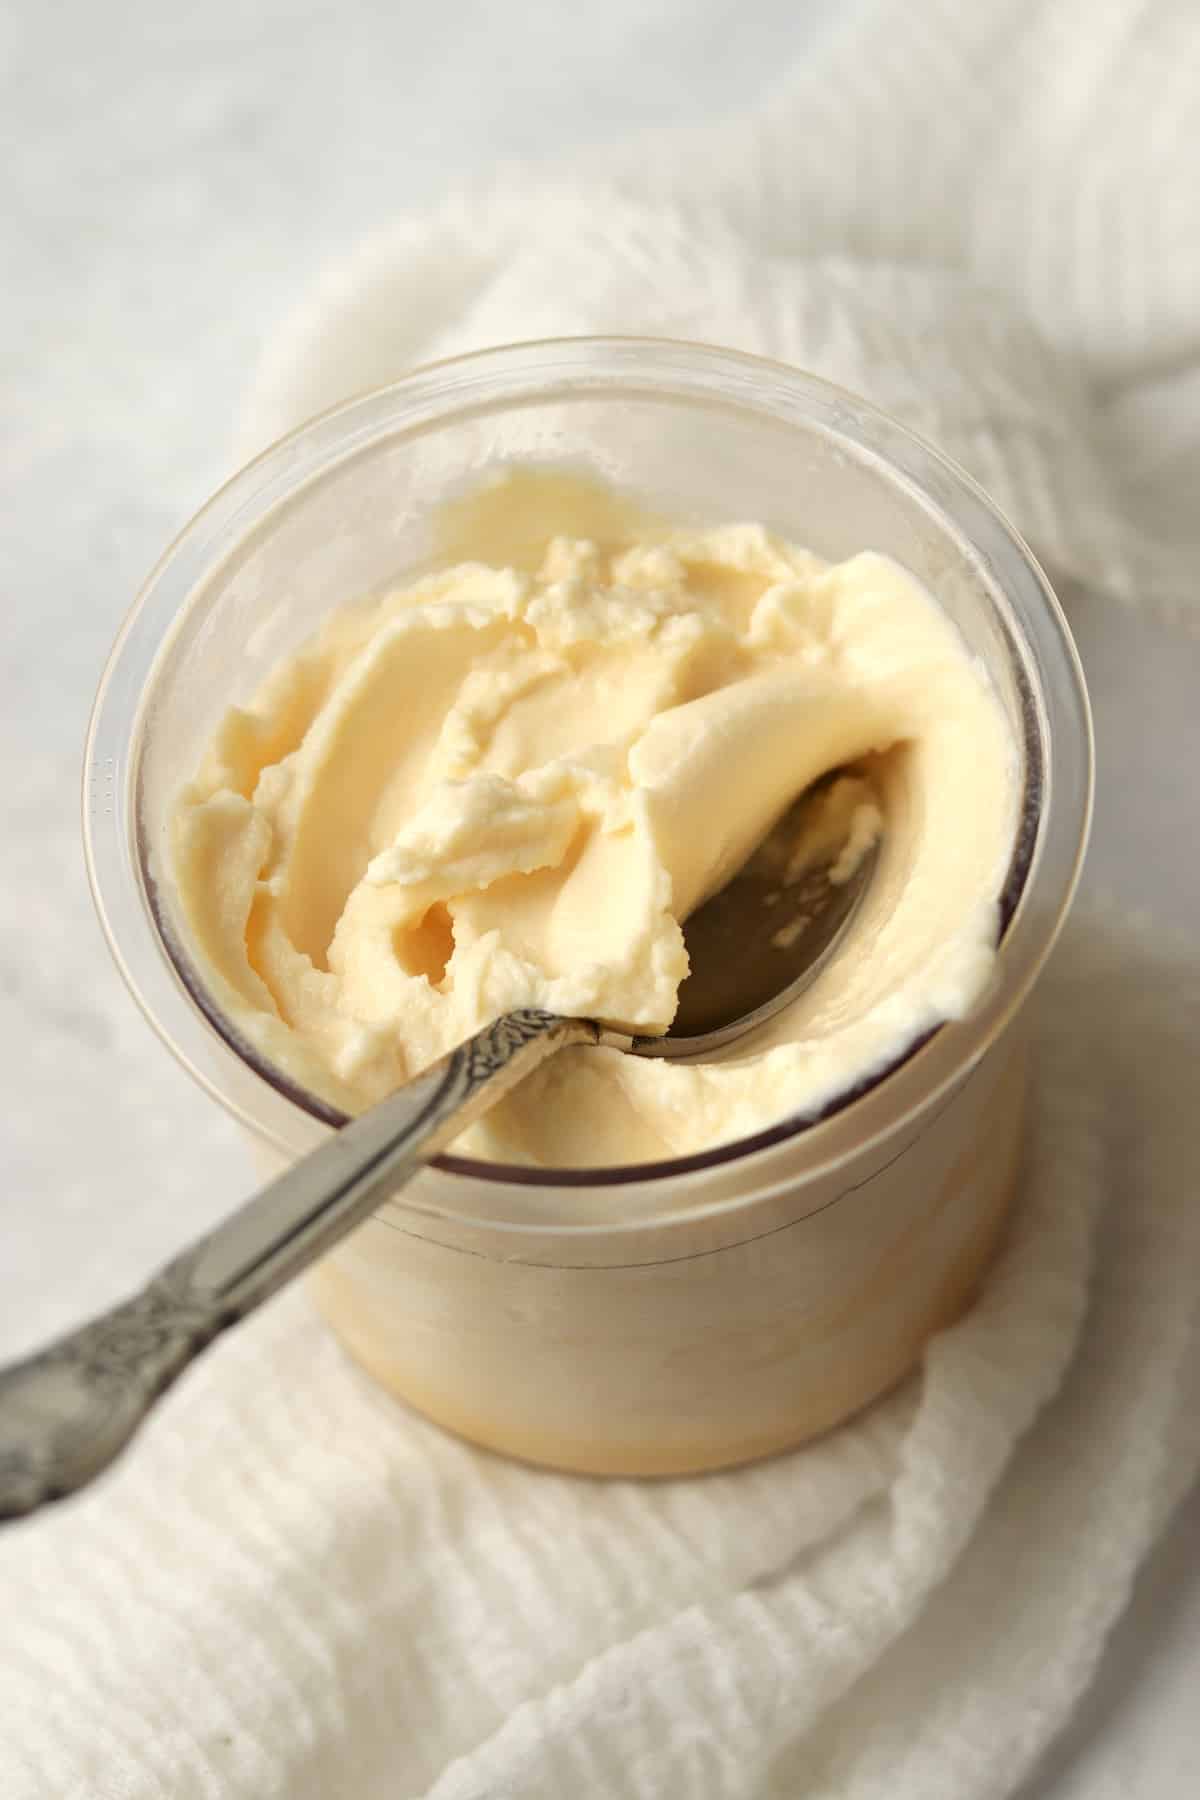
<point>169,184</point>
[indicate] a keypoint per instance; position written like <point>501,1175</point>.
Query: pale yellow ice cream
<point>507,783</point>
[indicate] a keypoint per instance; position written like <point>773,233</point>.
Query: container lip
<point>930,1068</point>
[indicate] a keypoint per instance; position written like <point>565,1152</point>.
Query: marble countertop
<point>172,181</point>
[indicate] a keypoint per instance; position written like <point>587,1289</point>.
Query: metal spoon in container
<point>66,1411</point>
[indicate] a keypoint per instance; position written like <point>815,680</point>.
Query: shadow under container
<point>673,1316</point>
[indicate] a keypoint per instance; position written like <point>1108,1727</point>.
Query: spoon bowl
<point>754,948</point>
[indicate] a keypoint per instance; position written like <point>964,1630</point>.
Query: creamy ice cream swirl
<point>502,786</point>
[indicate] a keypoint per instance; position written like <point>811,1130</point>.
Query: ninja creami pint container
<point>660,1317</point>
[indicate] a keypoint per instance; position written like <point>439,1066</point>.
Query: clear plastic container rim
<point>1059,749</point>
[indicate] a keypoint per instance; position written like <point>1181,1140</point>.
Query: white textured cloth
<point>983,218</point>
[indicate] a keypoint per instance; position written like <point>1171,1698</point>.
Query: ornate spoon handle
<point>66,1411</point>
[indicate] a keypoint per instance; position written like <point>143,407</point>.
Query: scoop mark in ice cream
<point>508,782</point>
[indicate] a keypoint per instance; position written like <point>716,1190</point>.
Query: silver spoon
<point>66,1411</point>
